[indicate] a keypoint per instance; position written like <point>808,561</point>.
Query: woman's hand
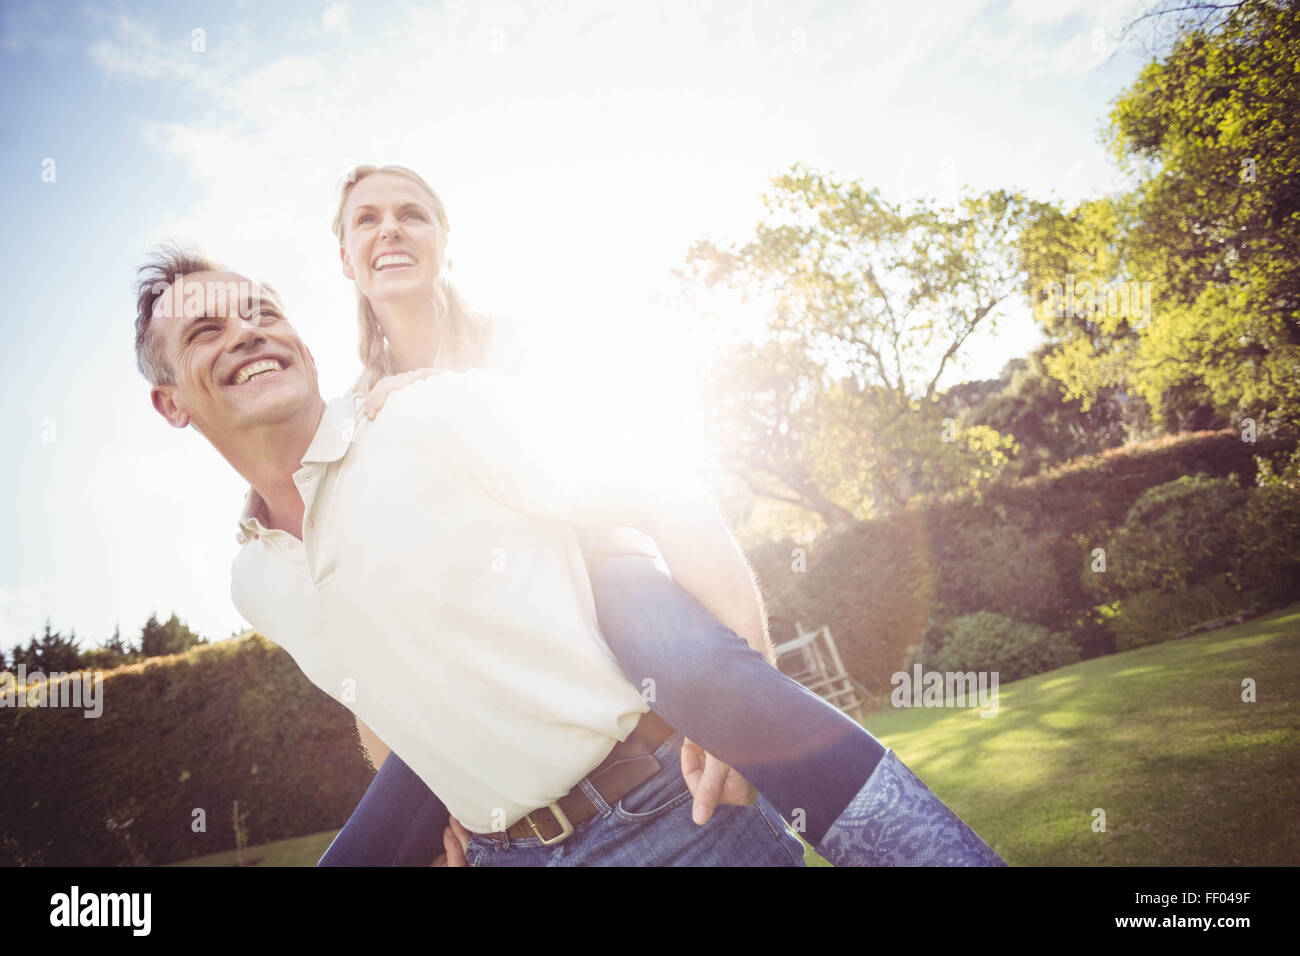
<point>713,782</point>
<point>455,842</point>
<point>391,383</point>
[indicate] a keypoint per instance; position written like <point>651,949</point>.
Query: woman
<point>852,799</point>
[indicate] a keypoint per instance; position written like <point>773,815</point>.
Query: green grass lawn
<point>296,851</point>
<point>1159,738</point>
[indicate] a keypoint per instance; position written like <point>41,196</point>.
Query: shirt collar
<point>334,433</point>
<point>330,443</point>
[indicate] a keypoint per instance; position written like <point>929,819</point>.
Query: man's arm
<point>376,750</point>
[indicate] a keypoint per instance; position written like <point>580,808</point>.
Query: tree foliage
<point>55,652</point>
<point>1214,226</point>
<point>838,409</point>
<point>1030,404</point>
<point>171,637</point>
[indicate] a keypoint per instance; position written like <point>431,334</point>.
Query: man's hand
<point>710,780</point>
<point>455,843</point>
<point>713,782</point>
<point>379,394</point>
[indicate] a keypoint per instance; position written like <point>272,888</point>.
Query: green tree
<point>172,637</point>
<point>837,410</point>
<point>114,653</point>
<point>52,652</point>
<point>1030,404</point>
<point>1213,129</point>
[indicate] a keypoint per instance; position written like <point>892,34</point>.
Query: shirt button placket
<point>306,482</point>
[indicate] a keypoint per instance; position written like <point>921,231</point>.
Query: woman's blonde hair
<point>464,334</point>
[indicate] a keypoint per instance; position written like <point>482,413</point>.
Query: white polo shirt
<point>440,594</point>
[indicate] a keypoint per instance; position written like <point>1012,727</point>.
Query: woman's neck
<point>413,330</point>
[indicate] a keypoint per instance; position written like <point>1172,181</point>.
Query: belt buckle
<point>566,828</point>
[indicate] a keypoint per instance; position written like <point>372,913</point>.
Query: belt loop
<point>599,802</point>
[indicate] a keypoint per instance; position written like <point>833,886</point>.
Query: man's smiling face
<point>237,364</point>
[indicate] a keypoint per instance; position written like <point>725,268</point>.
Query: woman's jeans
<point>808,760</point>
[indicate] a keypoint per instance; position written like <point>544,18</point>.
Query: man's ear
<point>347,263</point>
<point>166,406</point>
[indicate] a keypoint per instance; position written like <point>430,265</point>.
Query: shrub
<point>1267,563</point>
<point>1198,549</point>
<point>998,564</point>
<point>1154,616</point>
<point>985,641</point>
<point>1177,534</point>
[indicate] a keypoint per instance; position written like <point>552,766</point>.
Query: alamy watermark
<point>947,689</point>
<point>1119,300</point>
<point>642,429</point>
<point>177,299</point>
<point>82,689</point>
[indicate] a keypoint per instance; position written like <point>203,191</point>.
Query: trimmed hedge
<point>236,720</point>
<point>1020,549</point>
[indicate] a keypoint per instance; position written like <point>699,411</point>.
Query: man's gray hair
<point>153,278</point>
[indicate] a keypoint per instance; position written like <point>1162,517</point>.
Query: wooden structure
<point>812,659</point>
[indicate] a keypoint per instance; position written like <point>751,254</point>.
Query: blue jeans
<point>652,826</point>
<point>399,822</point>
<point>807,759</point>
<point>802,753</point>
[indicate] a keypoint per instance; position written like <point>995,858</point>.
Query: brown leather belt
<point>631,763</point>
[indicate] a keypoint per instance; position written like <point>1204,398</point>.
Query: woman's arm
<point>705,560</point>
<point>689,532</point>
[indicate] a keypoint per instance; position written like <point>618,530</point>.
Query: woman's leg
<point>399,822</point>
<point>854,801</point>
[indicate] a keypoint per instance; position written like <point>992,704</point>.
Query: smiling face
<point>393,243</point>
<point>236,362</point>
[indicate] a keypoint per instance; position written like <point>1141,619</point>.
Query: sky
<point>580,149</point>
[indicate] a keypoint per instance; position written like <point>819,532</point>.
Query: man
<point>424,567</point>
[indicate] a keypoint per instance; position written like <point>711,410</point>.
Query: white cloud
<point>335,17</point>
<point>133,49</point>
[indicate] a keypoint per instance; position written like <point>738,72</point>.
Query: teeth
<point>394,260</point>
<point>257,368</point>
